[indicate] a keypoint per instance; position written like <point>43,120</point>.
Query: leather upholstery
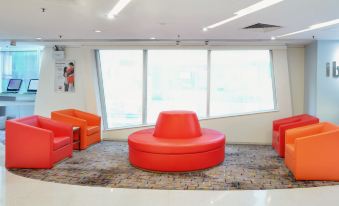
<point>280,126</point>
<point>37,142</point>
<point>144,141</point>
<point>312,152</point>
<point>90,125</point>
<point>175,124</point>
<point>177,143</point>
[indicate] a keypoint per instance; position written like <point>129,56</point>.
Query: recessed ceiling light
<point>38,38</point>
<point>273,38</point>
<point>97,31</point>
<point>248,10</point>
<point>313,27</point>
<point>152,38</point>
<point>205,29</point>
<point>117,8</point>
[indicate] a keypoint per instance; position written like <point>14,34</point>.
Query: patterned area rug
<point>246,167</point>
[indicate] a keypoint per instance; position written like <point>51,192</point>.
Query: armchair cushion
<point>59,142</point>
<point>92,129</point>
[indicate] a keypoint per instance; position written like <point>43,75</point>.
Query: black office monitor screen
<point>33,85</point>
<point>14,85</point>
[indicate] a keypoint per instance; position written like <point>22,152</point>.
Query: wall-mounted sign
<point>59,55</point>
<point>334,69</point>
<point>64,75</point>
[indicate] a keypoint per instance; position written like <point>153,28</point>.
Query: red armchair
<point>37,142</point>
<point>280,126</point>
<point>90,125</point>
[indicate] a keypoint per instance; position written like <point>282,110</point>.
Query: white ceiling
<point>162,19</point>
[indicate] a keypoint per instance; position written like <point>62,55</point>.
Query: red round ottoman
<point>176,144</point>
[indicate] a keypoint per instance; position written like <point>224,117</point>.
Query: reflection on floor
<point>2,136</point>
<point>106,164</point>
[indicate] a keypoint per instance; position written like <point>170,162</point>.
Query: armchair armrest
<point>292,134</point>
<point>58,128</point>
<point>25,143</point>
<point>91,119</point>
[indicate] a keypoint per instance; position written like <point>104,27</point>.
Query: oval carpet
<point>246,167</point>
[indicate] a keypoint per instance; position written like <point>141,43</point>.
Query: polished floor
<point>21,191</point>
<point>246,167</point>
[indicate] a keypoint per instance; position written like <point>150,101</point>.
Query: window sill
<point>200,119</point>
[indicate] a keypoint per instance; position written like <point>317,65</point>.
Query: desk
<point>15,106</point>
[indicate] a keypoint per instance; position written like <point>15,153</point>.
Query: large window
<point>241,82</point>
<point>19,65</point>
<point>176,81</point>
<point>138,84</point>
<point>122,85</point>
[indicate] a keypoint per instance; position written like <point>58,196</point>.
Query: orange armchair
<point>281,125</point>
<point>312,152</point>
<point>90,125</point>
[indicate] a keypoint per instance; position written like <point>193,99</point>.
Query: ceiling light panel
<point>313,27</point>
<point>256,7</point>
<point>118,8</point>
<point>243,12</point>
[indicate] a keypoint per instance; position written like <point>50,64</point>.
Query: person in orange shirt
<point>70,76</point>
<point>66,80</point>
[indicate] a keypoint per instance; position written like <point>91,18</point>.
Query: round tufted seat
<point>177,143</point>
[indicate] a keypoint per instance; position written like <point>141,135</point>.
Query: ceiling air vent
<point>259,27</point>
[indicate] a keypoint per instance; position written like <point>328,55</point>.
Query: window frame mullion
<point>144,87</point>
<point>208,98</point>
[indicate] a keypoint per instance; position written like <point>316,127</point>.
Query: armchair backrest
<point>31,121</point>
<point>327,126</point>
<point>69,112</point>
<point>302,117</point>
<point>91,119</point>
<point>291,122</point>
<point>73,116</point>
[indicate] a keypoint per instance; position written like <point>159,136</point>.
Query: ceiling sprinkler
<point>178,41</point>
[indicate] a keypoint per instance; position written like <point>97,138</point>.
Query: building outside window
<point>23,65</point>
<point>138,84</point>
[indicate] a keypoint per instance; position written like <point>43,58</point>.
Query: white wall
<point>296,65</point>
<point>321,92</point>
<point>327,87</point>
<point>255,128</point>
<point>310,99</point>
<point>84,97</point>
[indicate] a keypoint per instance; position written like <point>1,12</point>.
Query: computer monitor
<point>33,85</point>
<point>14,85</point>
